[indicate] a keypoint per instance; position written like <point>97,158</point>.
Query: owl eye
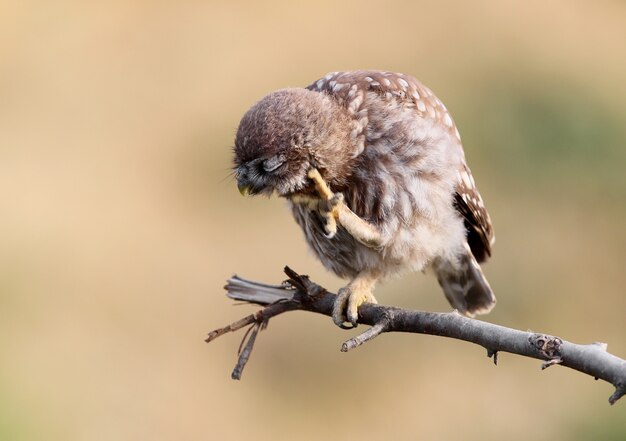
<point>271,164</point>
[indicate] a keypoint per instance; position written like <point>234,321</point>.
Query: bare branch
<point>300,293</point>
<point>366,336</point>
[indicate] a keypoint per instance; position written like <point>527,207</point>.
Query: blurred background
<point>119,221</point>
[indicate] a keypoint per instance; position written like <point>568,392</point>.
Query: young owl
<point>374,171</point>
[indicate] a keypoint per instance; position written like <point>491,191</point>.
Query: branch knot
<point>547,345</point>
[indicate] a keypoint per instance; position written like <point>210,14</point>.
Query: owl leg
<point>337,211</point>
<point>363,231</point>
<point>350,297</point>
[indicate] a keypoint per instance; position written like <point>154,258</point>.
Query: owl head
<point>283,136</point>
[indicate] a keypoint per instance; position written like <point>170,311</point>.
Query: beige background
<point>119,221</point>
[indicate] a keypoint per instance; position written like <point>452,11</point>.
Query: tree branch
<point>300,293</point>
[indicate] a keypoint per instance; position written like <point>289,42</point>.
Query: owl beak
<point>244,189</point>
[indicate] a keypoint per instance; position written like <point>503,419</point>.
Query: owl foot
<point>334,210</point>
<point>327,208</point>
<point>348,300</point>
<point>328,203</point>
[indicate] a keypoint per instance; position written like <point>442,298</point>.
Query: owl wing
<point>469,203</point>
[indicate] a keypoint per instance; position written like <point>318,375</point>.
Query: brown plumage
<point>404,198</point>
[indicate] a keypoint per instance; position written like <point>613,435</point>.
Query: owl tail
<point>465,285</point>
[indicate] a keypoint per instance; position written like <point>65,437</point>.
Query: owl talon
<point>330,226</point>
<point>340,305</point>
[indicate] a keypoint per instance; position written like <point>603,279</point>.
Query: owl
<point>374,172</point>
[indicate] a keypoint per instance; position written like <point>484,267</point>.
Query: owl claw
<point>331,230</point>
<point>328,208</point>
<point>348,300</point>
